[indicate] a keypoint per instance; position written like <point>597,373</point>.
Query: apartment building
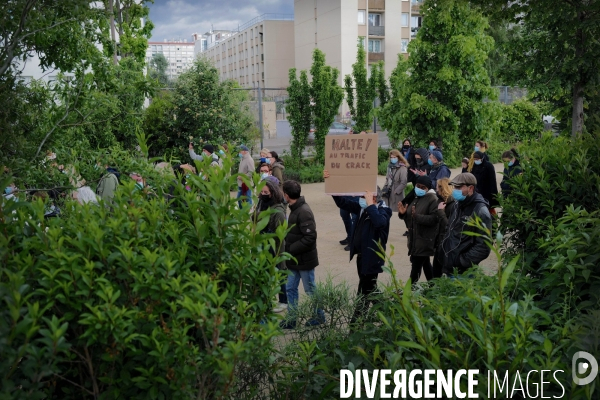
<point>258,54</point>
<point>384,27</point>
<point>179,55</point>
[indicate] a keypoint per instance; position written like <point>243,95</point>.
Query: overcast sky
<point>174,19</point>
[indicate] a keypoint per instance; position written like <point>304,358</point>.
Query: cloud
<point>174,19</point>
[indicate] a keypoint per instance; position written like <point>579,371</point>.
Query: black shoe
<point>347,248</point>
<point>344,242</point>
<point>405,233</point>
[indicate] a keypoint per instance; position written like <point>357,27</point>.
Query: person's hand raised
<point>325,174</point>
<point>369,198</point>
<point>402,208</point>
<point>191,146</point>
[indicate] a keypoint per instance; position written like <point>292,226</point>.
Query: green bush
<point>382,167</point>
<point>146,299</point>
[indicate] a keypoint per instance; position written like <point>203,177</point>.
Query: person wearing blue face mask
<point>512,168</point>
<point>395,180</point>
<point>485,173</point>
<point>459,249</point>
<point>370,231</point>
<point>433,146</point>
<point>423,221</point>
<point>10,191</point>
<point>439,170</point>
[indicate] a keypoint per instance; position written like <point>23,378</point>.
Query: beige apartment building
<point>384,27</point>
<point>259,54</point>
<point>179,55</point>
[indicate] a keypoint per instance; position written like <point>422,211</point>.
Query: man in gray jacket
<point>461,251</point>
<point>246,168</point>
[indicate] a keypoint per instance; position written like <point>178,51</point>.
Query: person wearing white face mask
<point>460,250</point>
<point>423,221</point>
<point>370,231</point>
<point>396,180</point>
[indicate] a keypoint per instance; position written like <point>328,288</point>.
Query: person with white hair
<point>84,195</point>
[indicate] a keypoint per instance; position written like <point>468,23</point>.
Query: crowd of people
<point>436,212</point>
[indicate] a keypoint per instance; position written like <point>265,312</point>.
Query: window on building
<point>404,19</point>
<point>374,19</point>
<point>374,46</point>
<point>415,25</point>
<point>404,45</point>
<point>361,17</point>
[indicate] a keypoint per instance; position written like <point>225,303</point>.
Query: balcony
<point>376,5</point>
<point>376,30</point>
<point>376,57</point>
<point>415,6</point>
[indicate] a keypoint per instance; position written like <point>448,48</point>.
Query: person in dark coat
<point>419,167</point>
<point>271,198</point>
<point>407,150</point>
<point>445,204</point>
<point>460,250</point>
<point>485,173</point>
<point>301,243</point>
<point>371,230</point>
<point>512,169</point>
<point>438,170</point>
<point>433,146</point>
<point>422,219</point>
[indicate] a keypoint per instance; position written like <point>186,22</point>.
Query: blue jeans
<point>248,195</point>
<point>308,281</point>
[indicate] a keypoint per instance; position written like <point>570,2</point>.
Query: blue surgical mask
<point>264,175</point>
<point>420,192</point>
<point>221,152</point>
<point>8,190</point>
<point>262,160</point>
<point>458,195</point>
<point>394,160</point>
<point>476,148</point>
<point>511,163</point>
<point>240,155</point>
<point>363,202</point>
<point>429,161</point>
<point>268,161</point>
<point>431,148</point>
<point>477,162</point>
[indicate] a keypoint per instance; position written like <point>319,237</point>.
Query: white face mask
<point>264,175</point>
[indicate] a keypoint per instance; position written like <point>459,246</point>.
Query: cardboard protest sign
<point>351,161</point>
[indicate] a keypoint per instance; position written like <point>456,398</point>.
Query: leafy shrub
<point>382,167</point>
<point>383,154</point>
<point>147,298</point>
<point>307,174</point>
<point>521,121</point>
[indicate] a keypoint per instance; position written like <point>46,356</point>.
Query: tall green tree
<point>361,105</point>
<point>157,69</point>
<point>439,91</point>
<point>556,54</point>
<point>208,109</point>
<point>299,111</point>
<point>327,96</point>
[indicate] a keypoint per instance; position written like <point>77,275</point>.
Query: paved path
<point>333,260</point>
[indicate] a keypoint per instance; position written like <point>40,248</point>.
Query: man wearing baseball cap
<point>460,250</point>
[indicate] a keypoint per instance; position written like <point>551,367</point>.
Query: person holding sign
<point>370,231</point>
<point>423,221</point>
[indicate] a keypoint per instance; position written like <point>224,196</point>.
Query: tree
<point>327,96</point>
<point>211,110</point>
<point>557,53</point>
<point>299,111</point>
<point>158,69</point>
<point>439,91</point>
<point>365,92</point>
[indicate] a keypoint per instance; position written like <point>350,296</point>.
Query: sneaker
<point>287,324</point>
<point>279,307</point>
<point>347,248</point>
<point>405,233</point>
<point>315,321</point>
<point>344,242</point>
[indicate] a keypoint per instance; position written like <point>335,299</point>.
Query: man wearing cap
<point>207,151</point>
<point>461,250</point>
<point>439,170</point>
<point>247,168</point>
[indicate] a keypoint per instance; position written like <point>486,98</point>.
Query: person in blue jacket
<point>370,231</point>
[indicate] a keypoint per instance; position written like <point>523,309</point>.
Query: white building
<point>179,55</point>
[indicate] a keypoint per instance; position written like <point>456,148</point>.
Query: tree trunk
<point>577,117</point>
<point>112,32</point>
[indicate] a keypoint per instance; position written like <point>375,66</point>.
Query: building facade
<point>258,54</point>
<point>384,27</point>
<point>179,55</point>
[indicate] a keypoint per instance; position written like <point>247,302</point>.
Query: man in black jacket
<point>461,251</point>
<point>301,243</point>
<point>371,229</point>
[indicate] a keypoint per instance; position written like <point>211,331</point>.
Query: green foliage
<point>149,298</point>
<point>304,174</point>
<point>158,69</point>
<point>158,125</point>
<point>438,92</point>
<point>299,111</point>
<point>365,91</point>
<point>210,110</point>
<point>327,96</point>
<point>521,121</point>
<point>382,167</point>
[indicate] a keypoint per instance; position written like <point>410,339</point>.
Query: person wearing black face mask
<point>407,150</point>
<point>271,197</point>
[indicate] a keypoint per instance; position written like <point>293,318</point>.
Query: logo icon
<point>589,366</point>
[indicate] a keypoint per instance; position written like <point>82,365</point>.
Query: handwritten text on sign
<point>352,164</point>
